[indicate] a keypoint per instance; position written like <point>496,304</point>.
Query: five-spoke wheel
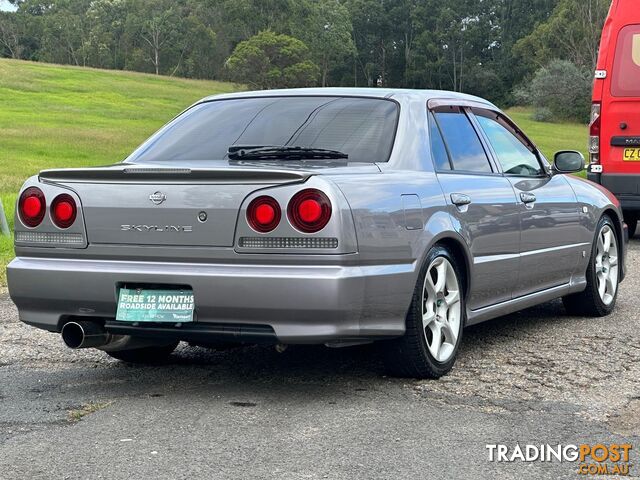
<point>441,309</point>
<point>607,264</point>
<point>434,322</point>
<point>603,275</point>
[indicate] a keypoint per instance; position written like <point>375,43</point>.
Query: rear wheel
<point>603,275</point>
<point>146,355</point>
<point>434,322</point>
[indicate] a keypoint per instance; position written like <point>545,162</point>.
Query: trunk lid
<point>136,205</point>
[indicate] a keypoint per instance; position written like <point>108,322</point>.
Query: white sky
<point>4,5</point>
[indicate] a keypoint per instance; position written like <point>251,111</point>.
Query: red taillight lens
<point>309,211</point>
<point>264,214</point>
<point>32,207</point>
<point>64,211</point>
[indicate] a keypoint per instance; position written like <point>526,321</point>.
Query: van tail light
<point>594,133</point>
<point>309,211</point>
<point>263,214</point>
<point>64,211</point>
<point>32,207</point>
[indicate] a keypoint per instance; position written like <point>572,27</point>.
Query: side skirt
<point>514,305</point>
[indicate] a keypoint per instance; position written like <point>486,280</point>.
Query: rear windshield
<point>363,128</point>
<point>625,80</point>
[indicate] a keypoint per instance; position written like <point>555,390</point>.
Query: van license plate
<point>632,154</point>
<point>139,305</point>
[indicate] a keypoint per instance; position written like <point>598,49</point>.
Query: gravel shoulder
<point>538,376</point>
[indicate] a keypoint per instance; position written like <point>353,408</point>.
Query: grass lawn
<point>552,137</point>
<point>57,116</point>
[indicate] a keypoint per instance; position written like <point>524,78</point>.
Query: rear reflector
<point>263,214</point>
<point>51,238</point>
<point>63,211</point>
<point>32,207</point>
<point>288,242</point>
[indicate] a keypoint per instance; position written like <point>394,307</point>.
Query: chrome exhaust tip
<point>83,334</point>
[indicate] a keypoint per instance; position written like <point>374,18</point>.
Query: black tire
<point>409,355</point>
<point>145,355</point>
<point>632,223</point>
<point>588,303</point>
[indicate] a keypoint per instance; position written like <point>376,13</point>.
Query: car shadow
<point>308,364</point>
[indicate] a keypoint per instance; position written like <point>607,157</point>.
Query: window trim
<point>442,106</point>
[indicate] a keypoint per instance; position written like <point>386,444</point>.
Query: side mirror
<point>568,161</point>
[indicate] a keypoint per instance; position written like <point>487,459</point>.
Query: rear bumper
<point>301,304</point>
<point>626,188</point>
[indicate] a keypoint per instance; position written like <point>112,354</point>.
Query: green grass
<point>552,137</point>
<point>56,116</point>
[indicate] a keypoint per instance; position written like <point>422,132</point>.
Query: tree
<point>106,38</point>
<point>11,32</point>
<point>271,60</point>
<point>327,31</point>
<point>158,29</point>
<point>571,33</point>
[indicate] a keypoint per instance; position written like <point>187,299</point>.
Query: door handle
<point>460,199</point>
<point>527,197</point>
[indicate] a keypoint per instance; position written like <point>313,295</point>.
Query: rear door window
<point>467,153</point>
<point>625,81</point>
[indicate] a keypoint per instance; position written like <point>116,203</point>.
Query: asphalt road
<point>537,377</point>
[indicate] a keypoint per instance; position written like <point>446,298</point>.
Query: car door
<point>481,202</point>
<point>550,245</point>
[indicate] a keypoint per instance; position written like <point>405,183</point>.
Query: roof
<point>353,92</point>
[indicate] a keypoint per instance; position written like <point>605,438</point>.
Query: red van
<point>614,143</point>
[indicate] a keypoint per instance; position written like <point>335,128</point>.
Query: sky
<point>4,5</point>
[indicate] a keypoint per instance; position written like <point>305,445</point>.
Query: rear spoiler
<point>123,173</point>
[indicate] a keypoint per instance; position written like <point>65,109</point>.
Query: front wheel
<point>603,276</point>
<point>434,323</point>
<point>146,355</point>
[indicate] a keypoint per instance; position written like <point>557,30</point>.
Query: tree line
<point>484,47</point>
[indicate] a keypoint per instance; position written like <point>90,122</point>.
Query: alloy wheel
<point>607,264</point>
<point>441,309</point>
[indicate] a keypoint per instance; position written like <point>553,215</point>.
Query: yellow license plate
<point>631,155</point>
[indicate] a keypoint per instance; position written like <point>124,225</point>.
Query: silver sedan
<point>316,216</point>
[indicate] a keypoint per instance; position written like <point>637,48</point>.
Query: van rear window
<point>625,81</point>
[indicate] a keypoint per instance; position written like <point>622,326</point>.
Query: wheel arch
<point>461,254</point>
<point>617,222</point>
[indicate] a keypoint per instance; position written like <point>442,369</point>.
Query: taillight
<point>64,211</point>
<point>32,206</point>
<point>309,211</point>
<point>264,214</point>
<point>594,133</point>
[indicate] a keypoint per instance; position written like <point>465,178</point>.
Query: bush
<point>543,114</point>
<point>271,60</point>
<point>559,91</point>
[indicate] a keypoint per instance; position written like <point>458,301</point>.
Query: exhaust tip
<point>72,335</point>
